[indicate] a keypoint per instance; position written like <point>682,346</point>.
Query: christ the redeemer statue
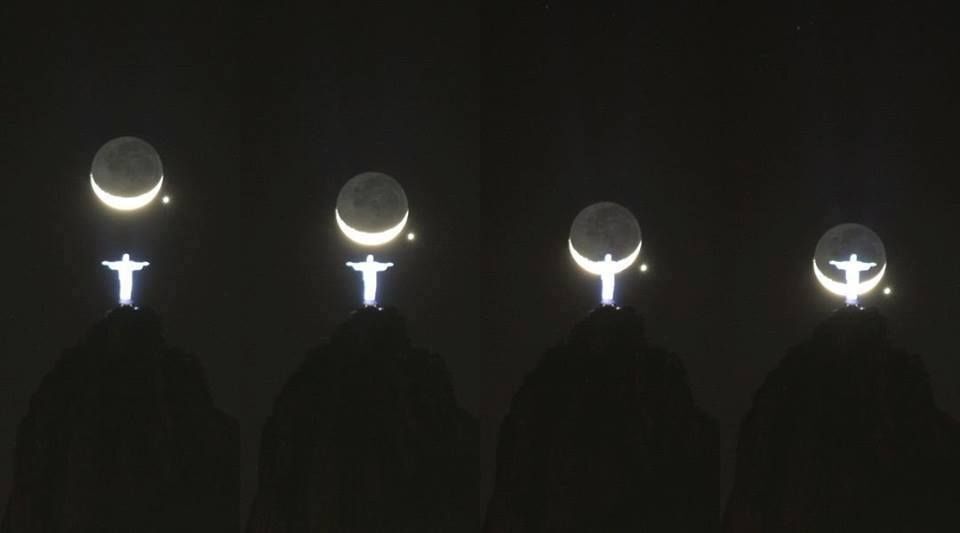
<point>370,269</point>
<point>852,269</point>
<point>608,270</point>
<point>125,269</point>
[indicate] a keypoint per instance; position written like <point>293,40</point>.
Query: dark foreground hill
<point>122,436</point>
<point>604,436</point>
<point>367,437</point>
<point>844,436</point>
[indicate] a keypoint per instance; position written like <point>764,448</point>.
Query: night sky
<point>737,135</point>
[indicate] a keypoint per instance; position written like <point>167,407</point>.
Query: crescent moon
<point>840,289</point>
<point>368,238</point>
<point>125,203</point>
<point>596,267</point>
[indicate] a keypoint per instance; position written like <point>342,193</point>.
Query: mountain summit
<point>604,435</point>
<point>367,436</point>
<point>122,435</point>
<point>844,436</point>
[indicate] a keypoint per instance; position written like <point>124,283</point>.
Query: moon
<point>837,244</point>
<point>604,228</point>
<point>126,174</point>
<point>371,209</point>
<point>840,289</point>
<point>125,203</point>
<point>596,267</point>
<point>367,238</point>
<point>840,241</point>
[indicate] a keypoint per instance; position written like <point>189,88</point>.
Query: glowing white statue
<point>370,269</point>
<point>606,269</point>
<point>852,269</point>
<point>125,269</point>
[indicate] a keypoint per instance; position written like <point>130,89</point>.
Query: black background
<point>737,135</point>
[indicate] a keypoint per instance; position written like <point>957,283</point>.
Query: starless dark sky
<point>737,134</point>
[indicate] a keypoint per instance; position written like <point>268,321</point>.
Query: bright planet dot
<point>166,199</point>
<point>411,236</point>
<point>888,291</point>
<point>644,267</point>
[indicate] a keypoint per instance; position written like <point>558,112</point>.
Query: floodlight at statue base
<point>607,300</point>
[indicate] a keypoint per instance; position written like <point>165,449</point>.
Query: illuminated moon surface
<point>838,244</point>
<point>604,228</point>
<point>126,174</point>
<point>371,209</point>
<point>600,267</point>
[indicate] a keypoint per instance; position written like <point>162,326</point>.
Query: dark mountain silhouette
<point>122,436</point>
<point>604,436</point>
<point>367,437</point>
<point>844,436</point>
